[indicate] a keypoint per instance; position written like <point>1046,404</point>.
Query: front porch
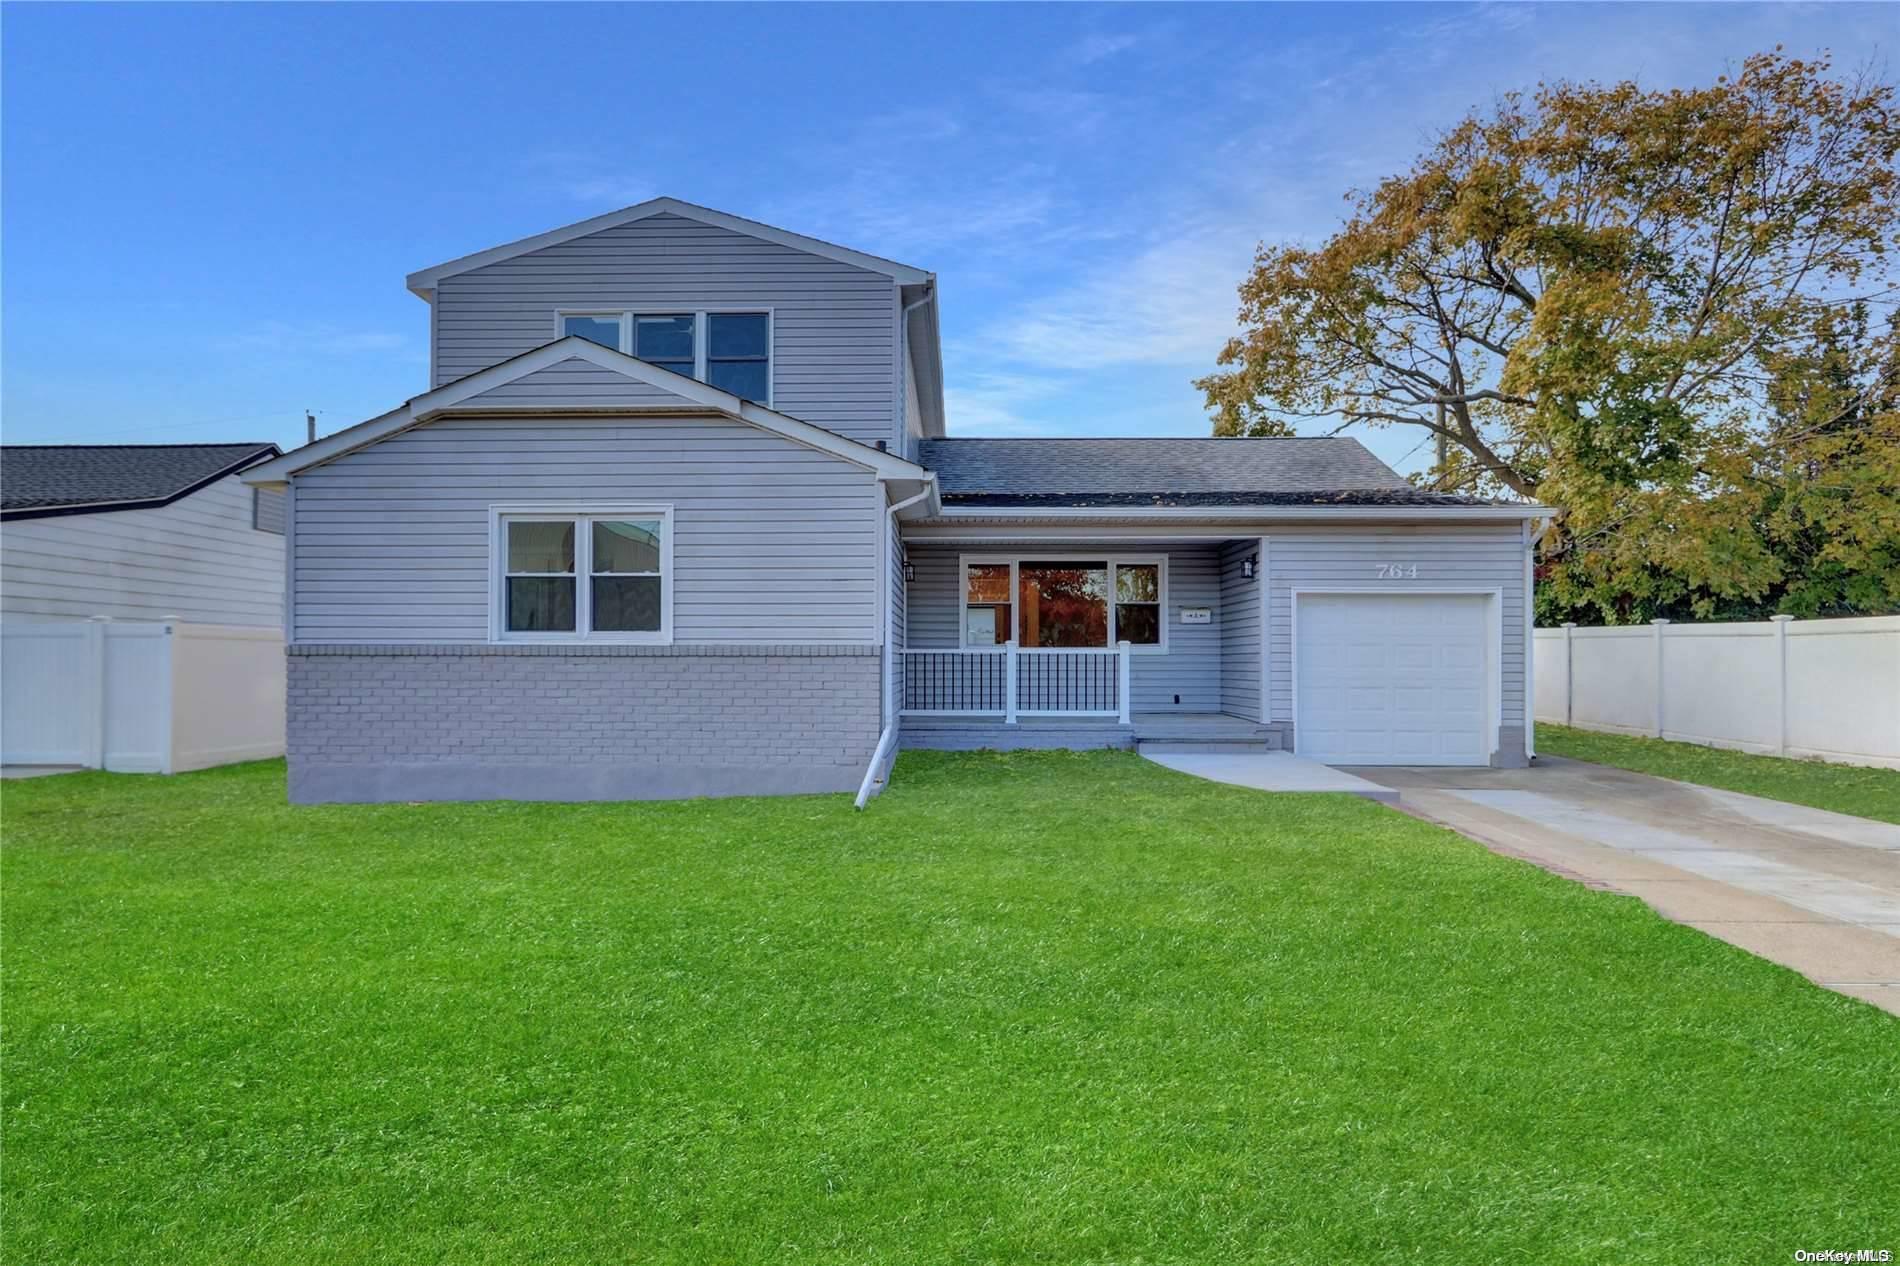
<point>1111,645</point>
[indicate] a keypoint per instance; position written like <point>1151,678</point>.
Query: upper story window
<point>604,328</point>
<point>738,354</point>
<point>577,575</point>
<point>668,341</point>
<point>730,350</point>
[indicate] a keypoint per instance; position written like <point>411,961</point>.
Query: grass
<point>1045,1007</point>
<point>1866,793</point>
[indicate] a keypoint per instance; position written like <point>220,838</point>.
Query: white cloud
<point>993,403</point>
<point>1098,45</point>
<point>591,178</point>
<point>615,190</point>
<point>287,338</point>
<point>880,210</point>
<point>1172,302</point>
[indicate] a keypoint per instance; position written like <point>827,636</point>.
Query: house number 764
<point>1398,571</point>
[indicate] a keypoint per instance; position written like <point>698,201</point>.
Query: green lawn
<point>1032,1008</point>
<point>1866,793</point>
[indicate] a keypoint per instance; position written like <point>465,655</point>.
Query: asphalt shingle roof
<point>1407,496</point>
<point>60,476</point>
<point>1169,472</point>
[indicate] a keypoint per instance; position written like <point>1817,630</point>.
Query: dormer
<point>831,336</point>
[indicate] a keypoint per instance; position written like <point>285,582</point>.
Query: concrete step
<point>1188,747</point>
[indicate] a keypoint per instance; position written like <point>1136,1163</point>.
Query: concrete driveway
<point>1815,891</point>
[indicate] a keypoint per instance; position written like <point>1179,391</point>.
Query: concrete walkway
<point>1815,891</point>
<point>1262,769</point>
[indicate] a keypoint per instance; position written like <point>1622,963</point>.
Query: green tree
<point>1655,310</point>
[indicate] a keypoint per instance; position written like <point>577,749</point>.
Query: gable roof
<point>423,282</point>
<point>40,480</point>
<point>679,394</point>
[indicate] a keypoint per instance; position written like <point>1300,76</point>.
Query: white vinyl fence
<point>155,697</point>
<point>1820,688</point>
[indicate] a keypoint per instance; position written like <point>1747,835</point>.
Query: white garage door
<point>1393,679</point>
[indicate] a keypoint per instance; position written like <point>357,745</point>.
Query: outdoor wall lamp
<point>910,572</point>
<point>1249,565</point>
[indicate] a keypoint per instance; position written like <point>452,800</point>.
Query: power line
<point>289,418</point>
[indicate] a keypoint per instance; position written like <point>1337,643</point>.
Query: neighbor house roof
<point>45,479</point>
<point>1079,473</point>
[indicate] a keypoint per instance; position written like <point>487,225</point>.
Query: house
<point>140,532</point>
<point>679,515</point>
<point>141,601</point>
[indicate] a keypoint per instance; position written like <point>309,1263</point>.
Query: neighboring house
<point>140,532</point>
<point>141,601</point>
<point>678,516</point>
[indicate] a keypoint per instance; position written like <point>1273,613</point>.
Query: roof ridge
<point>423,281</point>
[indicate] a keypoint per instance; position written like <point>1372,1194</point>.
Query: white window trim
<point>500,513</point>
<point>1015,561</point>
<point>701,333</point>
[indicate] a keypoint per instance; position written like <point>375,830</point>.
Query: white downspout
<point>887,739</point>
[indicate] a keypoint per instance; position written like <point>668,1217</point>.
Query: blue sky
<point>209,210</point>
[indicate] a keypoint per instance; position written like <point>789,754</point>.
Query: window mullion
<point>584,576</point>
<point>1015,633</point>
<point>701,339</point>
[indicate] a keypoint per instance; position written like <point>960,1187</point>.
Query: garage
<point>1394,678</point>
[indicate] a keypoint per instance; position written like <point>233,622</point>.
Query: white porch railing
<point>1010,682</point>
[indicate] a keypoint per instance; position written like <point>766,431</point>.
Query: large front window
<point>729,350</point>
<point>1064,603</point>
<point>577,575</point>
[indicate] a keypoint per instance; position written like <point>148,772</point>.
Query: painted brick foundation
<point>480,722</point>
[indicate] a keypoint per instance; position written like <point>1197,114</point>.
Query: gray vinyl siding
<point>267,510</point>
<point>833,326</point>
<point>575,383</point>
<point>1450,556</point>
<point>1239,617</point>
<point>1190,667</point>
<point>199,559</point>
<point>773,541</point>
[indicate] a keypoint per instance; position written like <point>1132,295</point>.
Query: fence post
<point>1781,682</point>
<point>96,673</point>
<point>1658,626</point>
<point>1570,670</point>
<point>1009,682</point>
<point>168,755</point>
<point>1122,658</point>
